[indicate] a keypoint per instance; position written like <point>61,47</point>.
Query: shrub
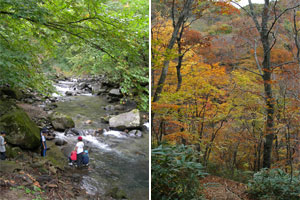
<point>238,175</point>
<point>274,184</point>
<point>175,173</point>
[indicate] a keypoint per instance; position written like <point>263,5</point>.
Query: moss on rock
<point>21,130</point>
<point>55,155</point>
<point>13,152</point>
<point>61,122</point>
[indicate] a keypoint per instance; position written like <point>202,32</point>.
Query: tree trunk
<point>178,25</point>
<point>267,72</point>
<point>179,76</point>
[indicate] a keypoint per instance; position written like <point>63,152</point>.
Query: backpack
<point>73,155</point>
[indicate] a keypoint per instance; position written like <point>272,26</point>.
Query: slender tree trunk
<point>179,76</point>
<point>255,158</point>
<point>267,72</point>
<point>177,26</point>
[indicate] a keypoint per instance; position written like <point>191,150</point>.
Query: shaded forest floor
<point>218,188</point>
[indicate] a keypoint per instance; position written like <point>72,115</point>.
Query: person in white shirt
<point>2,146</point>
<point>79,148</point>
<point>44,132</point>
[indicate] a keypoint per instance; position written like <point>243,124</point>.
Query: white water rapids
<point>116,160</point>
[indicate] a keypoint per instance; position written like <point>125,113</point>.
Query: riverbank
<point>59,181</point>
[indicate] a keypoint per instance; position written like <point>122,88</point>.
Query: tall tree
<point>178,27</point>
<point>268,40</point>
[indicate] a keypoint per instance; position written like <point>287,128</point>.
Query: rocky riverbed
<point>115,134</point>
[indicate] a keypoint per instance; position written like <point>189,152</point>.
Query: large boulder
<point>55,155</point>
<point>61,122</point>
<point>21,130</point>
<point>128,120</point>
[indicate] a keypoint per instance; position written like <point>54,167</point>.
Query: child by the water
<point>85,158</point>
<point>73,157</point>
<point>79,148</point>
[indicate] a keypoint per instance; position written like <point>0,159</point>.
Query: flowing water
<point>115,159</point>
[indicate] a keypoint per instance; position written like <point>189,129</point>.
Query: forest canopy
<point>89,37</point>
<point>225,82</point>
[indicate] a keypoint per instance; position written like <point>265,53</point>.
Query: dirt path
<point>217,188</point>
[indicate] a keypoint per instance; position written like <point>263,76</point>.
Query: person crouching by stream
<point>85,158</point>
<point>79,148</point>
<point>2,146</point>
<point>44,131</point>
<point>73,157</point>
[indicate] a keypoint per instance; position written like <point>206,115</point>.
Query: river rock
<point>88,121</point>
<point>115,92</point>
<point>100,91</point>
<point>145,128</point>
<point>96,89</point>
<point>60,142</point>
<point>61,122</point>
<point>109,107</point>
<point>69,93</point>
<point>82,85</point>
<point>119,107</point>
<point>73,131</point>
<point>30,101</point>
<point>135,133</point>
<point>105,119</point>
<point>125,120</point>
<point>21,130</point>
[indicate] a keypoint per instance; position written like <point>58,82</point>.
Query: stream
<point>116,161</point>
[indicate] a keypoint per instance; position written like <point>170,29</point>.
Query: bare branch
<point>172,13</point>
<point>276,18</point>
<point>256,58</point>
<point>92,18</point>
<point>274,42</point>
<point>254,17</point>
<point>242,8</point>
<point>281,64</point>
<point>245,68</point>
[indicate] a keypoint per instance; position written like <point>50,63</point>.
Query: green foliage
<point>274,184</point>
<point>220,29</point>
<point>78,36</point>
<point>36,191</point>
<point>232,174</point>
<point>175,173</point>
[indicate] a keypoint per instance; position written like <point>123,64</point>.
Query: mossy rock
<point>13,152</point>
<point>12,93</point>
<point>61,122</point>
<point>7,106</point>
<point>55,155</point>
<point>116,193</point>
<point>21,130</point>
